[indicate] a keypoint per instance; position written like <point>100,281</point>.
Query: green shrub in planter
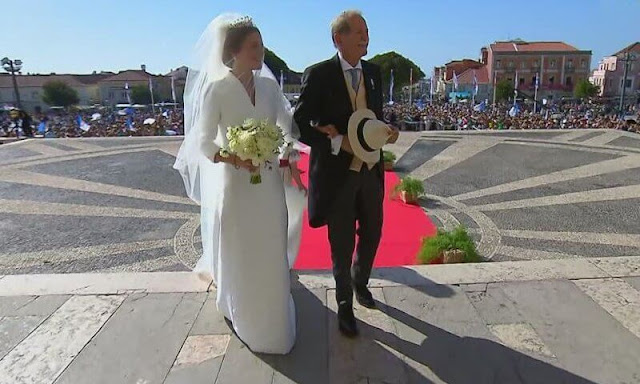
<point>409,189</point>
<point>433,248</point>
<point>389,158</point>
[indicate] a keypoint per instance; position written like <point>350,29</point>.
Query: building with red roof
<point>105,88</point>
<point>560,66</point>
<point>610,73</point>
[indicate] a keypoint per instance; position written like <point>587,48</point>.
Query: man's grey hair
<point>340,25</point>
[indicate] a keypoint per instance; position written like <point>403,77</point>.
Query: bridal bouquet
<point>255,140</point>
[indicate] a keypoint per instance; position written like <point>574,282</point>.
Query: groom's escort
<point>344,189</point>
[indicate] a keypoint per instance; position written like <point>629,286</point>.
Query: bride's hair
<point>236,35</point>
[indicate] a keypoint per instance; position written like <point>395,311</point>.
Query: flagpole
<point>153,103</point>
<point>515,89</point>
<point>173,93</point>
<point>495,75</point>
<point>431,89</point>
<point>282,80</point>
<point>410,86</point>
<point>391,85</point>
<point>535,95</point>
<point>473,94</point>
<point>475,89</point>
<point>127,92</point>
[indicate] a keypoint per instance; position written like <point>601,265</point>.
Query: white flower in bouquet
<point>255,140</point>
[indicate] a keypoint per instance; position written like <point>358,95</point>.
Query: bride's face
<point>251,53</point>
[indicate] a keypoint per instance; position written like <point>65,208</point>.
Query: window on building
<point>34,95</point>
<point>628,83</point>
<point>498,64</point>
<point>523,65</point>
<point>511,64</point>
<point>521,80</point>
<point>569,81</point>
<point>570,63</point>
<point>510,80</point>
<point>551,80</point>
<point>583,63</point>
<point>536,64</point>
<point>552,63</point>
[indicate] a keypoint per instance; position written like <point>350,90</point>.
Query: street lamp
<point>629,58</point>
<point>13,66</point>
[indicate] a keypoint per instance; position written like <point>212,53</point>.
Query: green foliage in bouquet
<point>433,247</point>
<point>255,140</point>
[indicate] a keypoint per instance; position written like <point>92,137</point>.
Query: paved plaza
<point>116,205</point>
<point>548,321</point>
<point>98,238</point>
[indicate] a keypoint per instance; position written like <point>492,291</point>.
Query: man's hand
<point>329,130</point>
<point>395,133</point>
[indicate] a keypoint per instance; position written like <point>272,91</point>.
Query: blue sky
<point>73,36</point>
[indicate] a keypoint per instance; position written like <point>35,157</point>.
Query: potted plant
<point>389,159</point>
<point>409,189</point>
<point>449,247</point>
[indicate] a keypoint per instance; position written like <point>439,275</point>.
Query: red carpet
<point>402,232</point>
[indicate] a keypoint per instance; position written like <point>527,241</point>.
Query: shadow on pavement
<point>322,355</point>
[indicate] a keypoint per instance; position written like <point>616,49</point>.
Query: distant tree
<point>275,63</point>
<point>140,95</point>
<point>401,70</point>
<point>504,90</point>
<point>584,90</point>
<point>59,94</point>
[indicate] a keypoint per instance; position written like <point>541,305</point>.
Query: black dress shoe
<point>365,298</point>
<point>347,320</point>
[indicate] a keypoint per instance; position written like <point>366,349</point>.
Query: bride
<point>243,225</point>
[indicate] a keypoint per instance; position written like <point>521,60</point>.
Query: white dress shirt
<point>336,142</point>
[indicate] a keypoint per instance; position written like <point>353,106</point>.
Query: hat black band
<point>360,132</point>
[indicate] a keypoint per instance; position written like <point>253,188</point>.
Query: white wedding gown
<point>244,227</point>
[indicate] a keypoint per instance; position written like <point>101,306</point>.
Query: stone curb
<point>483,273</point>
<point>103,283</point>
<point>491,272</point>
<point>7,142</point>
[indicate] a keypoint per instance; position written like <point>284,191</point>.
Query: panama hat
<point>367,135</point>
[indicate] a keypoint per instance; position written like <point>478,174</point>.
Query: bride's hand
<point>236,162</point>
<point>246,164</point>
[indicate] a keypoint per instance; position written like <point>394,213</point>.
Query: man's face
<point>356,41</point>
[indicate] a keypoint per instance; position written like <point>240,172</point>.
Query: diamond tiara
<point>244,21</point>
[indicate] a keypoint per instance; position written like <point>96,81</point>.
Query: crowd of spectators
<point>93,123</point>
<point>458,116</point>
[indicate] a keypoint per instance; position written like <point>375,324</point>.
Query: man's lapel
<point>368,83</point>
<point>341,85</point>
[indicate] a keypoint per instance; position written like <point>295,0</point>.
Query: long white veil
<point>203,179</point>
